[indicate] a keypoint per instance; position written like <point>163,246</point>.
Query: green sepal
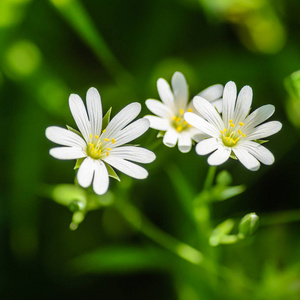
<point>232,155</point>
<point>106,119</point>
<point>65,194</point>
<point>78,163</point>
<point>161,134</point>
<point>260,141</point>
<point>111,172</point>
<point>74,130</point>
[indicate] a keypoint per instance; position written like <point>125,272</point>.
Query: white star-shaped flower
<point>101,148</point>
<point>170,112</point>
<point>236,132</point>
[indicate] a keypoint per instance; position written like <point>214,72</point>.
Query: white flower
<point>235,131</point>
<point>170,113</point>
<point>101,147</point>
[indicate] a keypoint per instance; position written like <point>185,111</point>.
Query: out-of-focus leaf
<point>220,233</point>
<point>224,178</point>
<point>64,194</point>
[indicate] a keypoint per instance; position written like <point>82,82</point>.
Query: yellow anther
<point>225,129</point>
<point>232,140</point>
<point>181,111</point>
<point>190,125</point>
<point>91,136</point>
<point>222,131</point>
<point>230,121</point>
<point>241,124</point>
<point>232,125</point>
<point>107,140</point>
<point>90,144</point>
<point>178,119</point>
<point>96,136</point>
<point>103,130</point>
<point>244,135</point>
<point>107,153</point>
<point>113,141</point>
<point>179,128</point>
<point>240,131</point>
<point>174,118</point>
<point>99,152</point>
<point>190,110</point>
<point>108,149</point>
<point>236,140</point>
<point>185,122</point>
<point>227,138</point>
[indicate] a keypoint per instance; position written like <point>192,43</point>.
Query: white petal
<point>264,130</point>
<point>101,179</point>
<point>260,152</point>
<point>206,110</point>
<point>212,93</point>
<point>133,153</point>
<point>258,116</point>
<point>64,137</point>
<point>67,153</point>
<point>180,90</point>
<point>127,167</point>
<point>243,104</point>
<point>80,116</point>
<point>165,93</point>
<point>158,123</point>
<point>207,146</point>
<point>85,172</point>
<point>219,156</point>
<point>93,101</point>
<point>184,142</point>
<point>159,108</point>
<point>201,124</point>
<point>248,160</point>
<point>229,97</point>
<point>123,118</point>
<point>131,132</point>
<point>170,138</point>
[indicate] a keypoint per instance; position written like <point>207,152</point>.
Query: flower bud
<point>249,224</point>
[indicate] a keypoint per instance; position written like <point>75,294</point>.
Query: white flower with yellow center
<point>235,133</point>
<point>101,148</point>
<point>170,112</point>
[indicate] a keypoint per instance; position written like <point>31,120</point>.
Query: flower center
<point>231,135</point>
<point>179,122</point>
<point>96,148</point>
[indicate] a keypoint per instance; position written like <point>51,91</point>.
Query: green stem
<point>209,177</point>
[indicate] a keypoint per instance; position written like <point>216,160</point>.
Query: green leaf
<point>74,130</point>
<point>78,162</point>
<point>106,119</point>
<point>220,231</point>
<point>224,193</point>
<point>111,172</point>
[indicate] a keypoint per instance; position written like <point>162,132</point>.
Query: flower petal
<point>80,116</point>
<point>132,153</point>
<point>207,146</point>
<point>243,104</point>
<point>158,123</point>
<point>165,93</point>
<point>64,137</point>
<point>159,108</point>
<point>218,105</point>
<point>264,130</point>
<point>180,90</point>
<point>260,152</point>
<point>248,160</point>
<point>67,153</point>
<point>101,179</point>
<point>127,167</point>
<point>184,142</point>
<point>85,172</point>
<point>258,116</point>
<point>123,118</point>
<point>201,124</point>
<point>212,93</point>
<point>93,101</point>
<point>206,110</point>
<point>170,138</point>
<point>130,132</point>
<point>229,97</point>
<point>219,156</point>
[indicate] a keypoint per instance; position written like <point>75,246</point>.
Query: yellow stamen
<point>179,128</point>
<point>181,111</point>
<point>103,130</point>
<point>222,131</point>
<point>174,118</point>
<point>241,124</point>
<point>227,138</point>
<point>240,131</point>
<point>230,121</point>
<point>178,120</point>
<point>96,136</point>
<point>244,135</point>
<point>225,129</point>
<point>107,140</point>
<point>99,152</point>
<point>232,140</point>
<point>107,153</point>
<point>108,149</point>
<point>113,141</point>
<point>190,110</point>
<point>185,122</point>
<point>91,136</point>
<point>232,125</point>
<point>236,140</point>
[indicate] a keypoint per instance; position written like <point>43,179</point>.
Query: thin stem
<point>209,177</point>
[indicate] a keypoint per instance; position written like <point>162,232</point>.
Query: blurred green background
<point>49,49</point>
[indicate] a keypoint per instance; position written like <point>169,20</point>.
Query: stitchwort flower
<point>170,112</point>
<point>236,133</point>
<point>97,148</point>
